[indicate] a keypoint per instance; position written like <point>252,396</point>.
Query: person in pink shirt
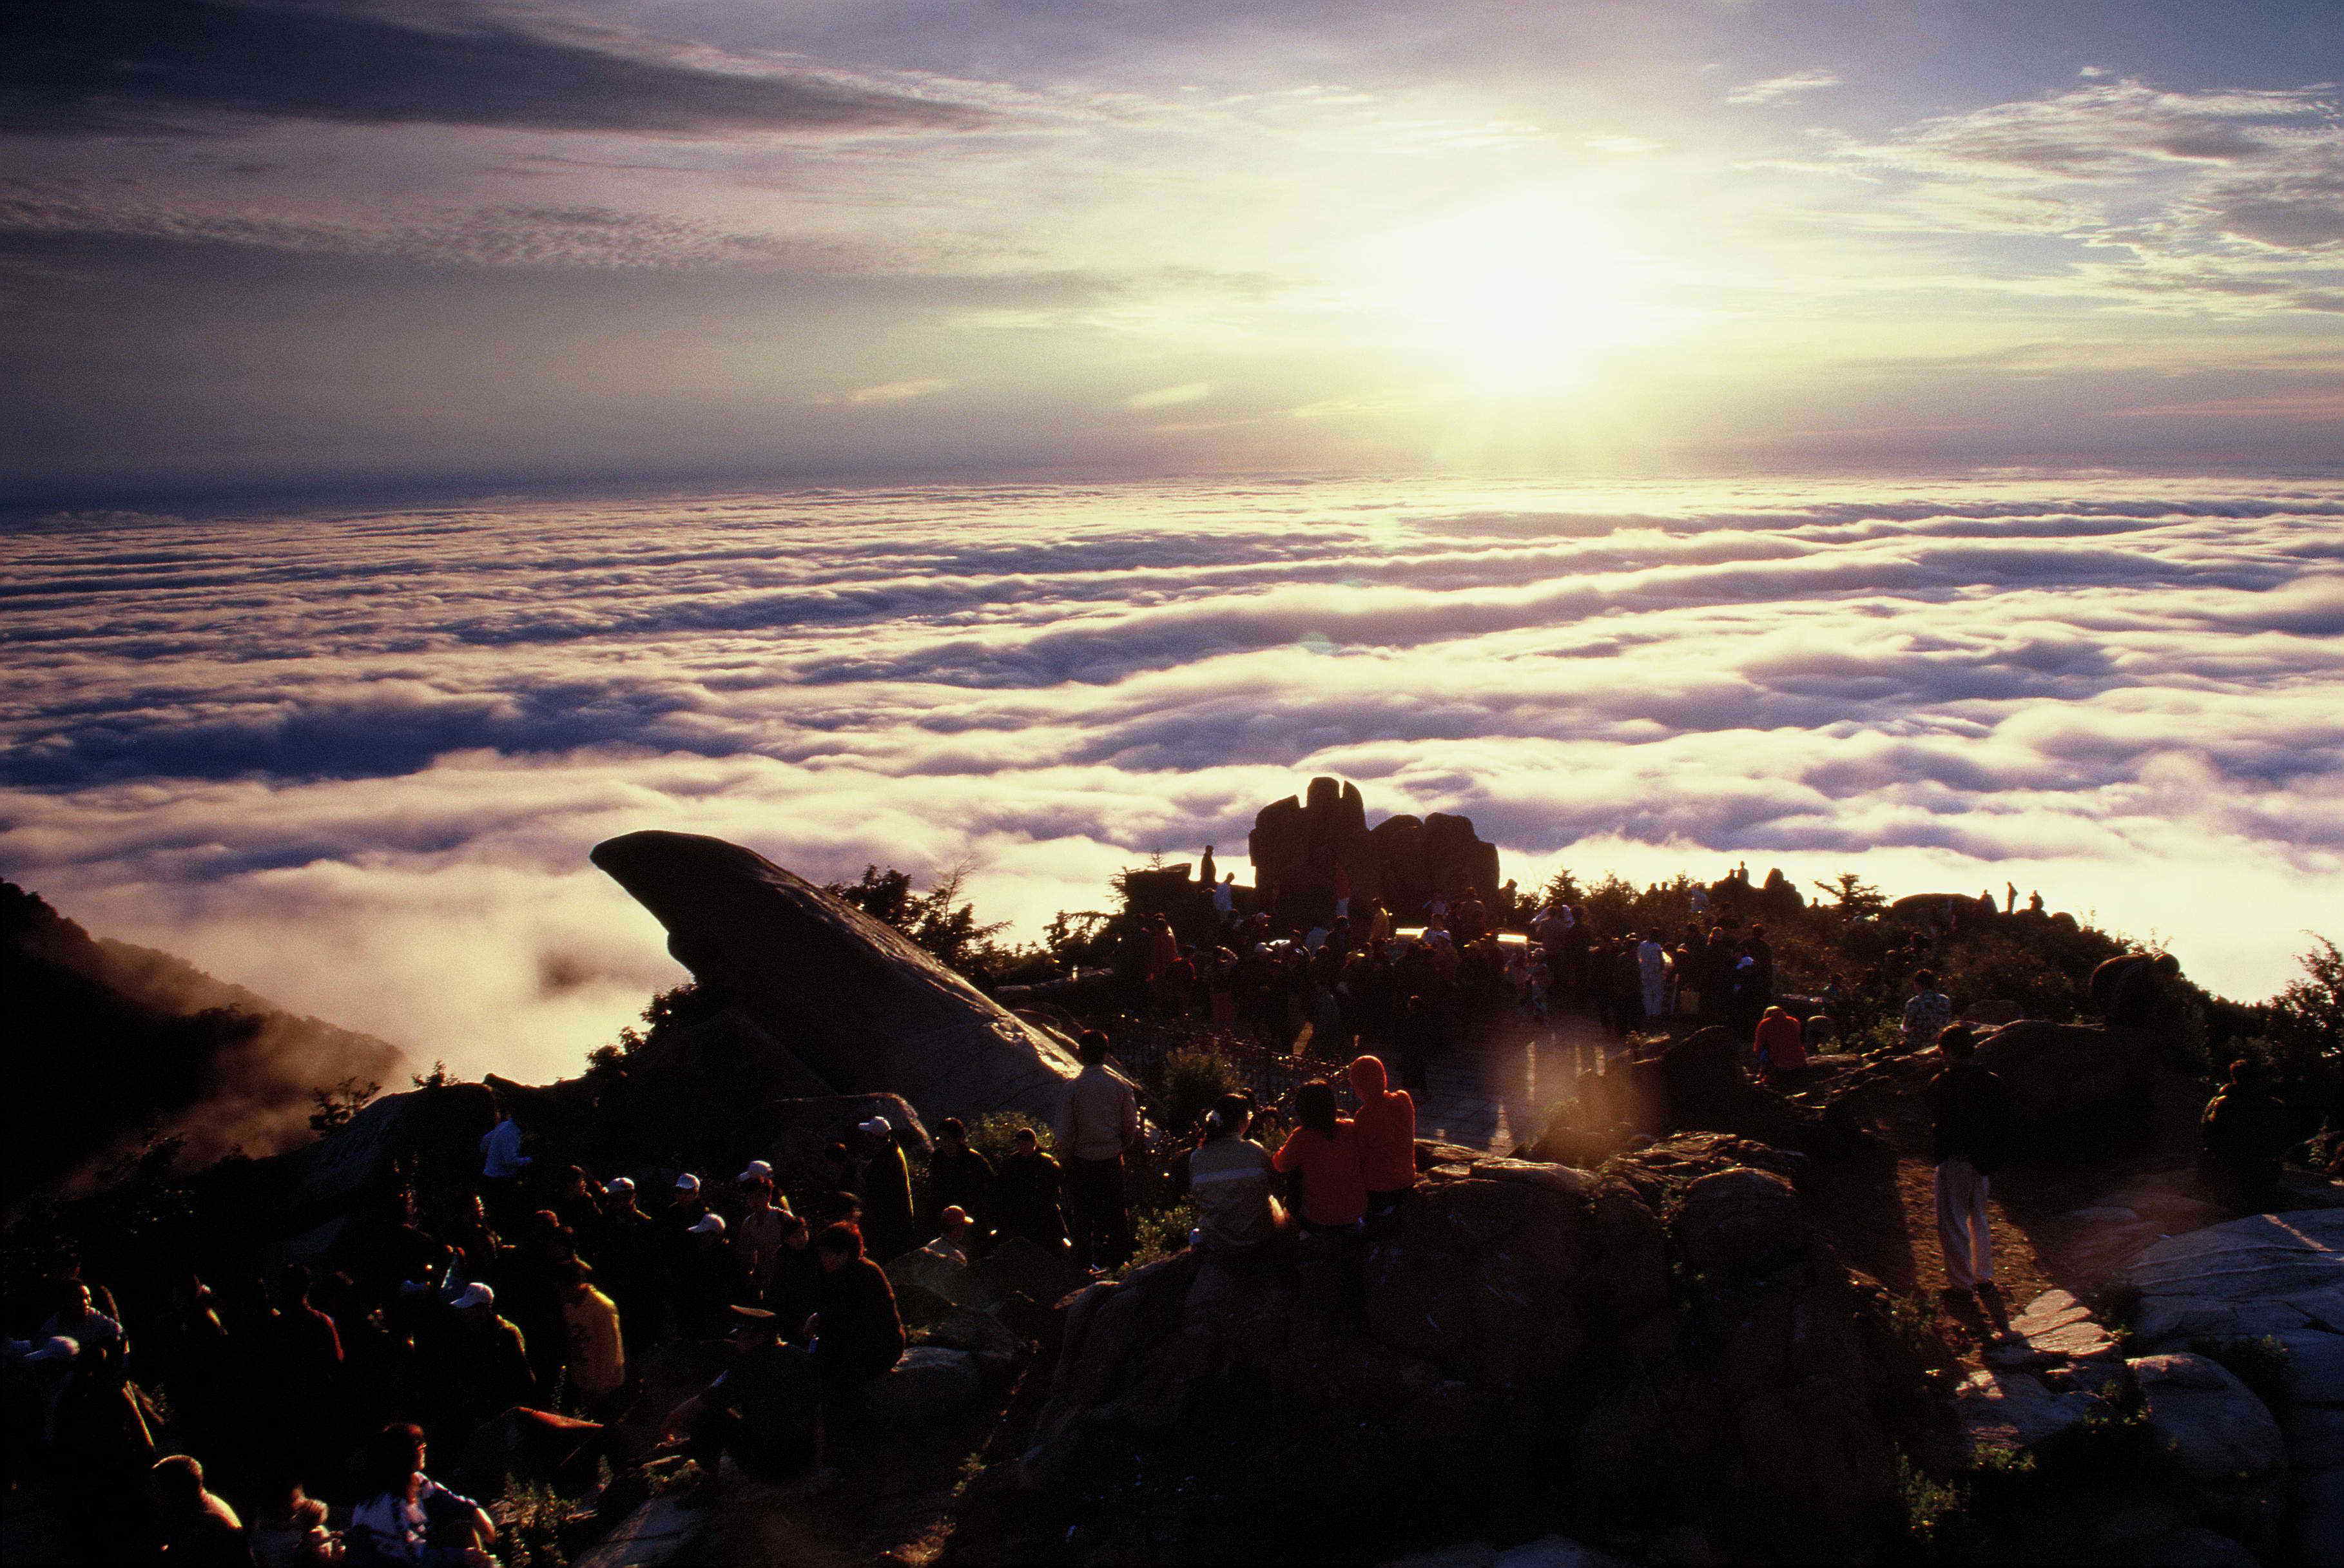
<point>1385,1126</point>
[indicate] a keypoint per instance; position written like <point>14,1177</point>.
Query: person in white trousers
<point>1972,1111</point>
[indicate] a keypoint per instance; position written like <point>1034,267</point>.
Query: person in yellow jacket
<point>596,1357</point>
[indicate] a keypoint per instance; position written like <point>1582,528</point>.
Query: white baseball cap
<point>707,1224</point>
<point>877,1124</point>
<point>618,1186</point>
<point>476,1294</point>
<point>758,1170</point>
<point>687,1182</point>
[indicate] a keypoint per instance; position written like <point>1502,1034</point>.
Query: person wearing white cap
<point>488,1368</point>
<point>757,1234</point>
<point>887,1188</point>
<point>703,1282</point>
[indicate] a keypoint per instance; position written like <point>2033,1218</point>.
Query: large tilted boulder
<point>856,1002</point>
<point>1664,1341</point>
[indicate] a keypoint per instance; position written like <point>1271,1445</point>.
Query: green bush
<point>2260,1363</point>
<point>995,1134</point>
<point>1193,1079</point>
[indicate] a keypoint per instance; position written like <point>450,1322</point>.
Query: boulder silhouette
<point>1305,849</point>
<point>1515,1307</point>
<point>857,1003</point>
<point>2074,1089</point>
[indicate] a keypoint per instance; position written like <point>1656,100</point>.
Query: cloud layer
<point>354,760</point>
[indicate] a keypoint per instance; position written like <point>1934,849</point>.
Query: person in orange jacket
<point>1782,1044</point>
<point>1386,1120</point>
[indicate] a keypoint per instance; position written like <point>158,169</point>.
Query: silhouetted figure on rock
<point>2247,1130</point>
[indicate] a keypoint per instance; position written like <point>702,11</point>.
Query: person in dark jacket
<point>1971,1109</point>
<point>2247,1130</point>
<point>886,1187</point>
<point>958,1177</point>
<point>858,1336</point>
<point>1025,1194</point>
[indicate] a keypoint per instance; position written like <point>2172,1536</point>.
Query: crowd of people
<point>535,1285</point>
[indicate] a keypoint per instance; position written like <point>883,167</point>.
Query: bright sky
<point>303,241</point>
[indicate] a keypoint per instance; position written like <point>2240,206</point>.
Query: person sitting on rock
<point>1385,1126</point>
<point>1970,1108</point>
<point>193,1527</point>
<point>766,1409</point>
<point>858,1336</point>
<point>1324,1152</point>
<point>406,1517</point>
<point>1926,1012</point>
<point>958,1175</point>
<point>1781,1046</point>
<point>2246,1131</point>
<point>940,1266</point>
<point>1229,1180</point>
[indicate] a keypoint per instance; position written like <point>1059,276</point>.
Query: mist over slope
<point>113,1044</point>
<point>354,758</point>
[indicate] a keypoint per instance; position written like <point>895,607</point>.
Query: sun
<point>1530,294</point>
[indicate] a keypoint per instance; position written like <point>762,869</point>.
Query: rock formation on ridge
<point>785,952</point>
<point>1306,852</point>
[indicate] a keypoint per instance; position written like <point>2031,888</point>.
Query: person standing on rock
<point>502,1165</point>
<point>1971,1110</point>
<point>1100,1119</point>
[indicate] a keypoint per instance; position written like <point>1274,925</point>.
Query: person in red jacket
<point>1781,1044</point>
<point>1326,1150</point>
<point>1385,1126</point>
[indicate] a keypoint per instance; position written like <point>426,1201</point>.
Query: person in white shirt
<point>1099,1120</point>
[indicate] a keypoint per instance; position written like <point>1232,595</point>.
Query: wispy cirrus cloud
<point>1776,89</point>
<point>131,63</point>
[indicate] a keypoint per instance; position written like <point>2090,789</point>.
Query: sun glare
<point>1528,295</point>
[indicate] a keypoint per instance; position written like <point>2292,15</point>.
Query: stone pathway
<point>1493,1093</point>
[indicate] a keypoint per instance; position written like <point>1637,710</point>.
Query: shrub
<point>995,1134</point>
<point>1193,1079</point>
<point>2260,1363</point>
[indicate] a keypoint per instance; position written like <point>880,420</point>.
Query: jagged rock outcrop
<point>859,1005</point>
<point>1667,1339</point>
<point>1305,849</point>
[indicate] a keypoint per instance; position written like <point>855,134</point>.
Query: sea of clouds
<point>354,758</point>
